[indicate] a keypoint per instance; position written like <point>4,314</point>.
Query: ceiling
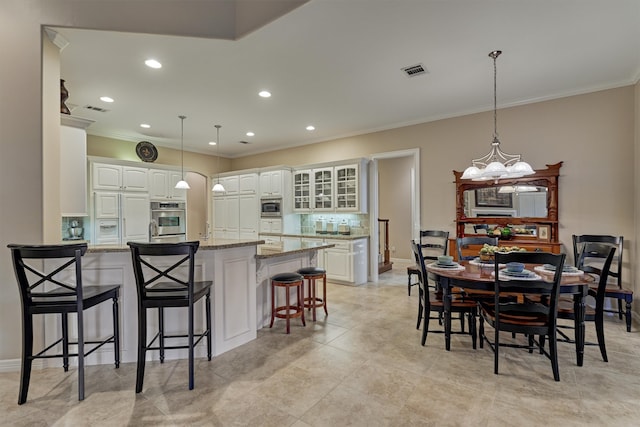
<point>337,65</point>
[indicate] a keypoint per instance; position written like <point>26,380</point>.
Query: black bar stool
<point>311,274</point>
<point>62,276</point>
<point>156,267</point>
<point>287,311</point>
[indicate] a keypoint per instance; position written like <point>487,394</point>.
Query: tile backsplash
<point>358,223</point>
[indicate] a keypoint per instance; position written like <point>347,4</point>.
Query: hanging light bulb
<point>218,188</point>
<point>497,164</point>
<point>182,184</point>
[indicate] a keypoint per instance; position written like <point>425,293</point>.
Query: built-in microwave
<point>271,207</point>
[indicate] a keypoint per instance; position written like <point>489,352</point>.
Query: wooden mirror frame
<point>542,178</point>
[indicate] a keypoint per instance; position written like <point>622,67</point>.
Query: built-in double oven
<point>168,222</point>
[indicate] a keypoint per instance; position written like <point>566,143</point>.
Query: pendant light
<point>182,184</point>
<point>496,164</point>
<point>218,188</point>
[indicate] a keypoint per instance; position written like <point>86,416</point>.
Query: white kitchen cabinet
<point>347,261</point>
<point>231,185</point>
<point>116,177</point>
<point>248,183</point>
<point>249,216</point>
<point>73,166</point>
<point>162,185</point>
<point>269,225</point>
<point>271,183</point>
<point>302,182</point>
<point>136,216</point>
<point>107,205</point>
<point>225,217</point>
<point>323,189</point>
<point>351,186</point>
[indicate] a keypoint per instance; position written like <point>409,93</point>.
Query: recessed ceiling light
<point>152,63</point>
<point>144,125</point>
<point>264,93</point>
<point>251,134</point>
<point>212,143</point>
<point>310,128</point>
<point>106,99</point>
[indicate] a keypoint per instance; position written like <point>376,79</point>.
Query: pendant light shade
<point>182,184</point>
<point>497,164</point>
<point>218,188</point>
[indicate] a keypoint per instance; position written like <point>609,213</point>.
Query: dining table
<point>481,275</point>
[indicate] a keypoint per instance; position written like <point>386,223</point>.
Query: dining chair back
<point>535,316</point>
<point>431,301</point>
<point>50,282</point>
<point>615,288</point>
<point>463,243</point>
<point>433,244</point>
<point>596,315</point>
<point>165,277</point>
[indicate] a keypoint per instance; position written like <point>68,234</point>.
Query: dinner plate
<point>565,269</point>
<point>452,265</point>
<point>523,273</point>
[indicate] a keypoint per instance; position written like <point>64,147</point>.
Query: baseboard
<point>401,260</point>
<point>13,365</point>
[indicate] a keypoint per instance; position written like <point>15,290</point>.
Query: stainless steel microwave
<point>271,207</point>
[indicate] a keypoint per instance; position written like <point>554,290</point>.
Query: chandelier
<point>496,164</point>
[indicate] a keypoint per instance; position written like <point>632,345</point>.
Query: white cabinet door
<point>271,183</point>
<point>323,189</point>
<point>135,179</point>
<point>226,217</point>
<point>106,177</point>
<point>347,185</point>
<point>338,264</point>
<point>302,185</point>
<point>249,216</point>
<point>135,217</point>
<point>158,182</point>
<point>231,184</point>
<point>248,183</point>
<point>270,225</point>
<point>174,193</point>
<point>107,205</point>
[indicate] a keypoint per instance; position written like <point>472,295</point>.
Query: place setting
<point>446,262</point>
<point>517,270</point>
<point>567,270</point>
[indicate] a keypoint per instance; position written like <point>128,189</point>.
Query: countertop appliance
<point>271,207</point>
<point>168,222</point>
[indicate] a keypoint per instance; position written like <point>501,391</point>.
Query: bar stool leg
<point>301,302</point>
<point>324,294</point>
<point>312,284</point>
<point>288,304</point>
<point>273,303</point>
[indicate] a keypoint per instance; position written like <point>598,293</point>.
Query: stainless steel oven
<point>168,221</point>
<point>271,207</point>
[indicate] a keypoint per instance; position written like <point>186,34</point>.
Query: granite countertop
<point>319,236</point>
<point>211,244</point>
<point>288,248</point>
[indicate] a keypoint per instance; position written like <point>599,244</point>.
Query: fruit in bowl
<point>487,251</point>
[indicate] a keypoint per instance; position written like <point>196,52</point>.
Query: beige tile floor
<point>363,365</point>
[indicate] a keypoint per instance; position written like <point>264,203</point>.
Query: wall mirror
<point>528,204</point>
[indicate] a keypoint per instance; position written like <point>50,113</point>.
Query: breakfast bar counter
<point>239,270</point>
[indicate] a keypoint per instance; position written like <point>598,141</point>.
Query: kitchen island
<point>237,294</point>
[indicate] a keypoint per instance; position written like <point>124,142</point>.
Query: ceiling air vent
<point>414,70</point>
<point>91,107</point>
<point>244,142</point>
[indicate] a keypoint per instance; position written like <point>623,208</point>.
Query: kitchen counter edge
<point>204,245</point>
<point>319,236</point>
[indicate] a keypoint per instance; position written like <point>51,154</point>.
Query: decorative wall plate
<point>146,151</point>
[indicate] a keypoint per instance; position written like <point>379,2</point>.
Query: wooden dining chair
<point>431,302</point>
<point>50,282</point>
<point>533,317</point>
<point>596,315</point>
<point>614,290</point>
<point>433,244</point>
<point>463,243</point>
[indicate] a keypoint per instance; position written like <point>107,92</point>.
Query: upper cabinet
<point>73,169</point>
<point>119,178</point>
<point>271,183</point>
<point>338,188</point>
<point>248,183</point>
<point>162,185</point>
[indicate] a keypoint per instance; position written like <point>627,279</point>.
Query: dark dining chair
<point>535,316</point>
<point>50,282</point>
<point>464,242</point>
<point>165,277</point>
<point>433,244</point>
<point>431,301</point>
<point>596,315</point>
<point>613,290</point>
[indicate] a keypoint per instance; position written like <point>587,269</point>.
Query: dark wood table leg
<point>446,299</point>
<point>579,310</point>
